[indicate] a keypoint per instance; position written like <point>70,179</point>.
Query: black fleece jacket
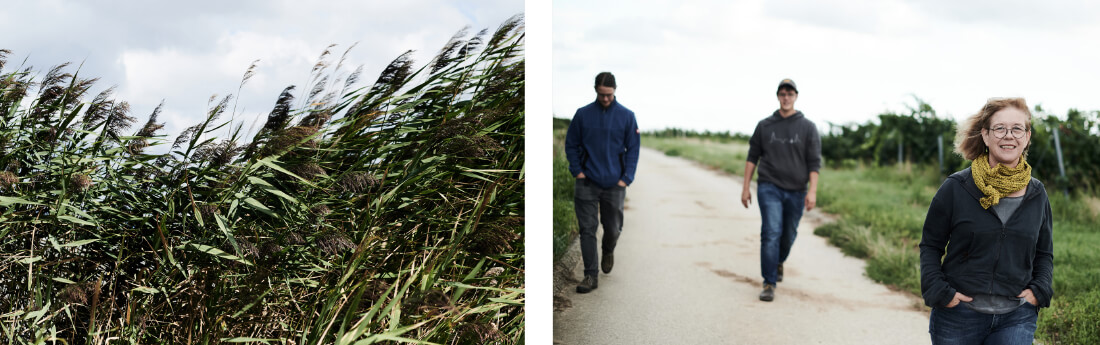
<point>984,255</point>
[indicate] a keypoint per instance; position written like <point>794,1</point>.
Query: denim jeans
<point>595,205</point>
<point>780,211</point>
<point>961,325</point>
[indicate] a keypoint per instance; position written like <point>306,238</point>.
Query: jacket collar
<point>614,104</point>
<point>778,117</point>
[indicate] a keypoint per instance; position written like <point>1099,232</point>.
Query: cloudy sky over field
<point>716,64</point>
<point>184,52</point>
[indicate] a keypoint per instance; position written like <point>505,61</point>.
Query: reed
<point>390,212</point>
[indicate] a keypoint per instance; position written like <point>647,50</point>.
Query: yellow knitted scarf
<point>1000,181</point>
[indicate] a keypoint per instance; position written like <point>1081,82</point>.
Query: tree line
<point>916,134</point>
<point>919,135</point>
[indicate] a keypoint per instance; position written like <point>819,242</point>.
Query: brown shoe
<point>780,270</point>
<point>588,284</point>
<point>607,262</point>
<point>768,294</point>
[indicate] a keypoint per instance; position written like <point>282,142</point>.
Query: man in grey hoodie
<point>787,149</point>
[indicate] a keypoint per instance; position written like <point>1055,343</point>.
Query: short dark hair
<point>605,79</point>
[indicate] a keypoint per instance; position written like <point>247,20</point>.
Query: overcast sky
<point>184,52</point>
<point>715,65</point>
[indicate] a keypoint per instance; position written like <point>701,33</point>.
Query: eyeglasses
<point>1001,131</point>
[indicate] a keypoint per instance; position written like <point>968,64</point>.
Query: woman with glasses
<point>991,225</point>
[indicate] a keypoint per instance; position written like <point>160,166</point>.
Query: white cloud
<point>715,64</point>
<point>170,74</point>
<point>1052,15</point>
<point>183,52</point>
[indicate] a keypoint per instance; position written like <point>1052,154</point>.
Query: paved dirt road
<point>687,271</point>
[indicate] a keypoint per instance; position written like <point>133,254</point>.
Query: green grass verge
<point>882,211</point>
<point>727,156</point>
<point>565,221</point>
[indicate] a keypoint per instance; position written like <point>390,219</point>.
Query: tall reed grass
<point>391,212</point>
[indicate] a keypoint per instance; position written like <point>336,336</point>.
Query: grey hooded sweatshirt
<point>785,150</point>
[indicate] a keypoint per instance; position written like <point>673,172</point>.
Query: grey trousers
<point>595,205</point>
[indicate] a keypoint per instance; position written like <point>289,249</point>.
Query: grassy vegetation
<point>391,212</point>
<point>727,156</point>
<point>882,210</point>
<point>565,220</point>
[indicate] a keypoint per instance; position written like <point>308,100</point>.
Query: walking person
<point>602,146</point>
<point>993,222</point>
<point>787,149</point>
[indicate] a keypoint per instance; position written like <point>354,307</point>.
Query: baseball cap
<point>787,82</point>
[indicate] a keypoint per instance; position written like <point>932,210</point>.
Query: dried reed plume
<point>357,182</point>
<point>74,293</point>
<point>308,171</point>
<point>334,242</point>
<point>8,179</point>
<point>80,182</point>
<point>218,154</point>
<point>207,211</point>
<point>320,210</point>
<point>247,248</point>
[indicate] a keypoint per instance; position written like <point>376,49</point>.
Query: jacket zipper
<point>1001,239</point>
<point>997,259</point>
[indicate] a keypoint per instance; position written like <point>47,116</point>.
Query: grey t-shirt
<point>1007,206</point>
<point>993,304</point>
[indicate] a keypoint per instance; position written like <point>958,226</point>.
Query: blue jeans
<point>595,205</point>
<point>780,211</point>
<point>961,325</point>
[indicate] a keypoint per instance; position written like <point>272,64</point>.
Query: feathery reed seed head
<point>295,238</point>
<point>80,183</point>
<point>321,210</point>
<point>8,179</point>
<point>334,242</point>
<point>308,171</point>
<point>247,248</point>
<point>357,182</point>
<point>74,293</point>
<point>270,249</point>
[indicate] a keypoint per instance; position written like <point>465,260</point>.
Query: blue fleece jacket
<point>603,143</point>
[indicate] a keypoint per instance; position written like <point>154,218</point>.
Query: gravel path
<point>687,271</point>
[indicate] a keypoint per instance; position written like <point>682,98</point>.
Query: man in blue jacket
<point>602,147</point>
<point>787,149</point>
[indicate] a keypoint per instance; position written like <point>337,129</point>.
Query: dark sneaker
<point>780,270</point>
<point>607,262</point>
<point>768,294</point>
<point>588,284</point>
